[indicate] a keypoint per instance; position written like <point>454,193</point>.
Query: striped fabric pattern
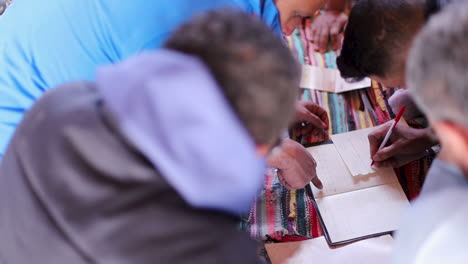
<point>277,211</point>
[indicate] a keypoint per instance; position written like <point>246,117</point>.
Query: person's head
<point>437,77</point>
<point>377,39</point>
<point>253,67</point>
<point>292,12</point>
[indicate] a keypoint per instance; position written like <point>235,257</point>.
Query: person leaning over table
<point>434,229</point>
<point>62,41</point>
<point>163,182</point>
<point>376,42</point>
<point>324,28</point>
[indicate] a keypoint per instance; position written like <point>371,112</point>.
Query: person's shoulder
<point>449,200</point>
<point>434,229</point>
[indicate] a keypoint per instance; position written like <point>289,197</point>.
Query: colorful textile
<point>278,211</point>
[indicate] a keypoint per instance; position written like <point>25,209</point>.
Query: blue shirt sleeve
<point>44,44</point>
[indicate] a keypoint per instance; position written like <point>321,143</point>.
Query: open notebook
<point>328,80</point>
<point>351,207</point>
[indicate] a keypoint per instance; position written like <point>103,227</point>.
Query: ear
<point>454,142</point>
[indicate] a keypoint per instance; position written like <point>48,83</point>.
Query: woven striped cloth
<point>277,211</point>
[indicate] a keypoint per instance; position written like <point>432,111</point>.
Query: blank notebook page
<point>363,212</point>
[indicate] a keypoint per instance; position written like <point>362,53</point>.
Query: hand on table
<point>403,141</point>
<point>313,116</point>
<point>327,28</point>
<point>296,166</point>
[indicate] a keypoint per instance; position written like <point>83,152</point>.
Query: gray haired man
<point>153,162</point>
<point>434,230</point>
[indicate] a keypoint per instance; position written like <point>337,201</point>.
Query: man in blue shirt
<point>46,44</point>
<point>125,174</point>
<point>43,45</point>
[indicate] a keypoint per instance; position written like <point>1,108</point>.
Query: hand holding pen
<point>390,130</point>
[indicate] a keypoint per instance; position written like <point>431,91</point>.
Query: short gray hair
<point>255,70</point>
<point>437,68</point>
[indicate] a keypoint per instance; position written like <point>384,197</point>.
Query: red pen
<point>392,127</point>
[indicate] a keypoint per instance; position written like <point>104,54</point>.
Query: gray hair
<point>437,68</point>
<point>255,70</point>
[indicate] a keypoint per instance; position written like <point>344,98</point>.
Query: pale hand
<point>296,166</point>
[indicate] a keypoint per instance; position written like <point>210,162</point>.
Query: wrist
<point>273,160</point>
<point>429,136</point>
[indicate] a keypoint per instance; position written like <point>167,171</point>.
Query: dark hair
<point>377,30</point>
<point>254,68</point>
